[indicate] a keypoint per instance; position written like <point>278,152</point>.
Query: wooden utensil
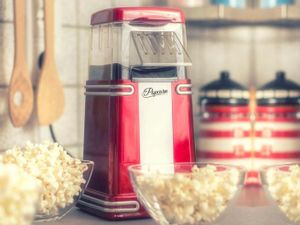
<point>50,95</point>
<point>20,93</point>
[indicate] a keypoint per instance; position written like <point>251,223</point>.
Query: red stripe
<point>228,109</point>
<point>222,155</point>
<point>252,178</point>
<point>277,109</point>
<point>278,155</point>
<point>127,145</point>
<point>183,137</point>
<point>223,134</point>
<point>279,134</point>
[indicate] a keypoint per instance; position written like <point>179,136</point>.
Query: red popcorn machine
<point>138,103</point>
<point>277,127</point>
<point>225,128</point>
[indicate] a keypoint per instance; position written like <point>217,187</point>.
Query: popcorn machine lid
<point>279,91</point>
<point>224,91</point>
<point>158,49</point>
<point>138,43</point>
<point>138,14</point>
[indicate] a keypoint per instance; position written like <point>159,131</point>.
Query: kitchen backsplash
<point>252,54</point>
<point>72,42</point>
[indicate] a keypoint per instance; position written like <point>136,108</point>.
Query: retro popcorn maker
<point>138,103</point>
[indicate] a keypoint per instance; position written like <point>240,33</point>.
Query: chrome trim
<point>179,86</point>
<point>109,93</point>
<point>96,204</point>
<point>155,79</point>
<point>107,210</point>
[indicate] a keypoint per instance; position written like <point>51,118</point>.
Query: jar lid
<point>224,91</point>
<point>279,91</point>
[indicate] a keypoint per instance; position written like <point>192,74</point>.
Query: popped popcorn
<point>59,175</point>
<point>19,195</point>
<point>284,187</point>
<point>201,195</point>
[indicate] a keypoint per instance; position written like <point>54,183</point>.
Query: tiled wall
<point>252,54</point>
<point>72,41</point>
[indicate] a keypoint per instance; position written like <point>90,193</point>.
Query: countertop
<point>264,215</point>
<point>252,208</point>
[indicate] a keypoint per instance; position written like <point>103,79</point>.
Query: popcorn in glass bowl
<point>62,178</point>
<point>19,196</point>
<point>282,185</point>
<point>186,193</point>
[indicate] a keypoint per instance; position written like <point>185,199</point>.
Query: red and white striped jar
<point>224,130</point>
<point>277,127</point>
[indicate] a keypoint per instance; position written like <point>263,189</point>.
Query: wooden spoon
<point>20,93</point>
<point>50,94</point>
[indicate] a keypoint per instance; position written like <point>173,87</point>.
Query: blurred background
<point>219,38</point>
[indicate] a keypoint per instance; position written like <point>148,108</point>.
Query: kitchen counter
<point>237,216</point>
<point>252,209</point>
<point>78,217</point>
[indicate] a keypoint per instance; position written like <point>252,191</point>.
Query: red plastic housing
<point>112,141</point>
<point>138,13</point>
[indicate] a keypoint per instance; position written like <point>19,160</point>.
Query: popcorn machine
<point>138,103</point>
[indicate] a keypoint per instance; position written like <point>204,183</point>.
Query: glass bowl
<point>62,211</point>
<point>282,187</point>
<point>186,193</point>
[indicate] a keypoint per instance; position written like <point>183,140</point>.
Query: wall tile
<point>84,47</point>
<point>44,134</point>
<point>86,9</point>
<point>7,52</point>
<point>75,151</point>
<point>67,55</point>
<point>66,128</point>
<point>290,59</point>
<point>83,74</point>
<point>126,3</point>
<point>65,43</point>
<point>213,50</point>
<point>251,54</point>
<point>71,7</point>
<point>121,3</point>
<point>9,135</point>
<point>239,66</point>
<point>81,115</point>
<point>6,10</point>
<point>276,49</point>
